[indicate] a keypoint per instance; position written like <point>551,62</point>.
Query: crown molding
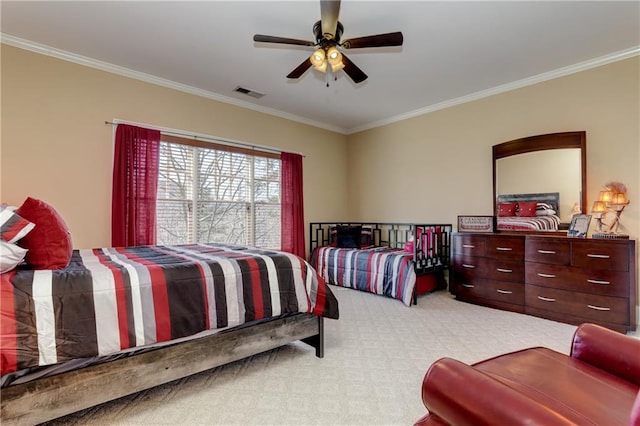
<point>529,81</point>
<point>148,78</point>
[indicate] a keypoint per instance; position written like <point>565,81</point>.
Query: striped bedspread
<point>379,270</point>
<point>111,299</point>
<point>538,223</point>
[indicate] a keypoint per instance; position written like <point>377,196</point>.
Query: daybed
<point>528,212</point>
<point>598,384</point>
<point>119,320</point>
<point>397,260</point>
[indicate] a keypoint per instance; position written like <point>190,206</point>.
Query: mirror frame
<point>541,143</point>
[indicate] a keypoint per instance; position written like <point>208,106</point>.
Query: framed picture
<point>579,225</point>
<point>476,223</point>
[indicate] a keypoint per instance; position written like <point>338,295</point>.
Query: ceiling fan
<point>328,56</point>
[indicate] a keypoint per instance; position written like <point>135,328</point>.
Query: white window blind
<point>210,195</point>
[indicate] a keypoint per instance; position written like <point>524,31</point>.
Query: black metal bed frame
<point>395,235</point>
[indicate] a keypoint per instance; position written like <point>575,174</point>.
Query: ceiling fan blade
<point>329,11</point>
<point>282,40</point>
<point>300,69</point>
<point>379,40</point>
<point>355,73</point>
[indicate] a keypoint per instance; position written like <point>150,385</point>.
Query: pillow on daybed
<point>366,236</point>
<point>10,256</point>
<point>348,236</point>
<point>49,243</point>
<point>527,209</point>
<point>13,226</point>
<point>507,209</point>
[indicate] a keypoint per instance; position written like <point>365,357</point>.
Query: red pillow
<point>506,209</point>
<point>527,209</point>
<point>49,243</point>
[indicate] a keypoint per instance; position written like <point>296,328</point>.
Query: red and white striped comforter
<point>111,299</point>
<point>538,223</point>
<point>379,270</point>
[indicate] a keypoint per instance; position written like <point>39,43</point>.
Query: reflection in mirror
<point>527,169</point>
<point>556,170</point>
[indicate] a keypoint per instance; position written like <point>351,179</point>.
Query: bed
<point>119,320</point>
<point>396,260</point>
<point>528,212</point>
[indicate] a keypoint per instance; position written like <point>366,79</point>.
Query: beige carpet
<point>375,358</point>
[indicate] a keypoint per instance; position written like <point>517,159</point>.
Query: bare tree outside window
<point>209,195</point>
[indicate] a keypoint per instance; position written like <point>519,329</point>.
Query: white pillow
<point>547,212</point>
<point>10,256</point>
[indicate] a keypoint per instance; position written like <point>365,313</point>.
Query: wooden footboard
<point>52,397</point>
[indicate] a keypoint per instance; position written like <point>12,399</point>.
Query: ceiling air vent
<point>248,92</point>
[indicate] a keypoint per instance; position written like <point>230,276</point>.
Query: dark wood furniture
<point>571,280</point>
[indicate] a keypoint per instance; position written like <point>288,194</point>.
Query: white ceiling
<point>453,51</point>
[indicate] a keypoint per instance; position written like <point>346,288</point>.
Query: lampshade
<point>619,198</point>
<point>599,207</point>
<point>335,59</point>
<point>605,196</point>
<point>318,60</point>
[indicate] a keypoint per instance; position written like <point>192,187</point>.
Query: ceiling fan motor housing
<point>320,38</point>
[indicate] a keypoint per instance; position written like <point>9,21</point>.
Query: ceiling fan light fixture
<point>318,60</point>
<point>335,59</point>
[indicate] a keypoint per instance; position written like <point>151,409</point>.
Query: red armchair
<point>598,384</point>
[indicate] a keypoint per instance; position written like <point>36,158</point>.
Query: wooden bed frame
<point>395,235</point>
<point>51,397</point>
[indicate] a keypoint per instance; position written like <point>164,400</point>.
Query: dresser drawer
<point>503,270</point>
<point>595,281</point>
<point>469,245</point>
<point>589,306</point>
<point>546,250</point>
<point>505,248</point>
<point>466,267</point>
<point>497,291</point>
<point>589,254</point>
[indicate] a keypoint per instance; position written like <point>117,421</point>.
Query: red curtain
<point>292,229</point>
<point>135,186</point>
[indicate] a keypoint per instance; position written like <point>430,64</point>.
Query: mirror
<point>552,163</point>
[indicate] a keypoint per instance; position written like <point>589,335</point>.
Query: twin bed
<point>397,260</point>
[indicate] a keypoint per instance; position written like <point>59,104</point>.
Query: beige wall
<point>437,166</point>
<point>432,168</point>
<point>56,147</point>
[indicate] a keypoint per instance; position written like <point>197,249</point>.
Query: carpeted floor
<point>375,358</point>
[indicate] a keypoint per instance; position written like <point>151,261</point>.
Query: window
<point>212,193</point>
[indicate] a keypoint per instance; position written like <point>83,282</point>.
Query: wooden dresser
<point>571,280</point>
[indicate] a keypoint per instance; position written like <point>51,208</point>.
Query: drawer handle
<point>468,285</point>
<point>504,291</point>
<point>599,256</point>
<point>468,246</point>
<point>546,251</point>
<point>546,299</point>
<point>504,248</point>
<point>540,274</point>
<point>599,282</point>
<point>598,308</point>
<point>464,265</point>
<point>506,271</point>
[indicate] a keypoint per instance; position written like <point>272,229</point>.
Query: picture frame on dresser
<point>579,225</point>
<point>482,224</point>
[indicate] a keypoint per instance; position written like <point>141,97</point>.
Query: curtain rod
<point>201,137</point>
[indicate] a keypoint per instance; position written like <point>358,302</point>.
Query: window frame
<point>251,232</point>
